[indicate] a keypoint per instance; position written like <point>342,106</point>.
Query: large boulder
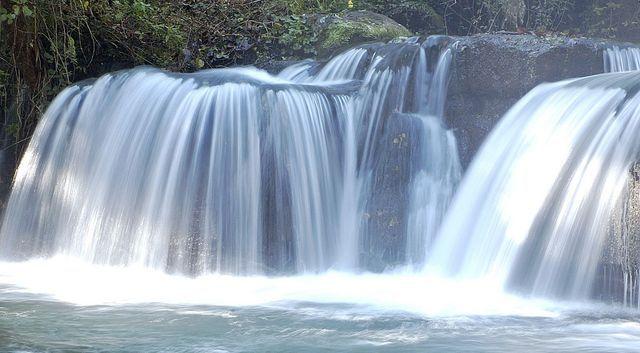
<point>416,15</point>
<point>340,32</point>
<point>490,72</point>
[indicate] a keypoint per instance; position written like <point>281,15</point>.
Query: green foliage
<point>614,19</point>
<point>16,9</point>
<point>300,7</point>
<point>152,37</point>
<point>386,6</point>
<point>13,129</point>
<point>473,16</point>
<point>50,44</point>
<point>548,15</point>
<point>4,86</point>
<point>295,36</point>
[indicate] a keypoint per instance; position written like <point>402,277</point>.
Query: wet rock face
<point>618,278</point>
<point>385,218</point>
<point>490,72</point>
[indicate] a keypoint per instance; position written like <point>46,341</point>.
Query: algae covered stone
<point>338,32</point>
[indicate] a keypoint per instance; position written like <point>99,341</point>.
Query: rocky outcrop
<point>491,72</point>
<point>339,32</point>
<point>417,16</point>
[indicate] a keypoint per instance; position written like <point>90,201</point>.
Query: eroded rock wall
<point>491,72</point>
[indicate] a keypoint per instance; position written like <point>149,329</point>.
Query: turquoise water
<point>31,323</point>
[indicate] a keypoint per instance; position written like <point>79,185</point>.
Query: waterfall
<point>236,170</point>
<point>431,188</point>
<point>618,59</point>
<point>438,168</point>
<point>534,208</point>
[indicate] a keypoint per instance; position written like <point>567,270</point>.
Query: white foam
<point>70,280</point>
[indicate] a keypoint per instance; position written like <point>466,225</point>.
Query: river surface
<point>62,305</point>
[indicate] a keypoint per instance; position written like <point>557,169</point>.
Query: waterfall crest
<point>233,170</point>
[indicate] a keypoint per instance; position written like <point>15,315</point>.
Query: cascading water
<point>618,59</point>
<point>438,169</point>
<point>534,208</point>
<point>431,188</point>
<point>238,171</point>
<point>234,170</point>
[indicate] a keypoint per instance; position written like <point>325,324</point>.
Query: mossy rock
<point>417,16</point>
<point>340,32</point>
